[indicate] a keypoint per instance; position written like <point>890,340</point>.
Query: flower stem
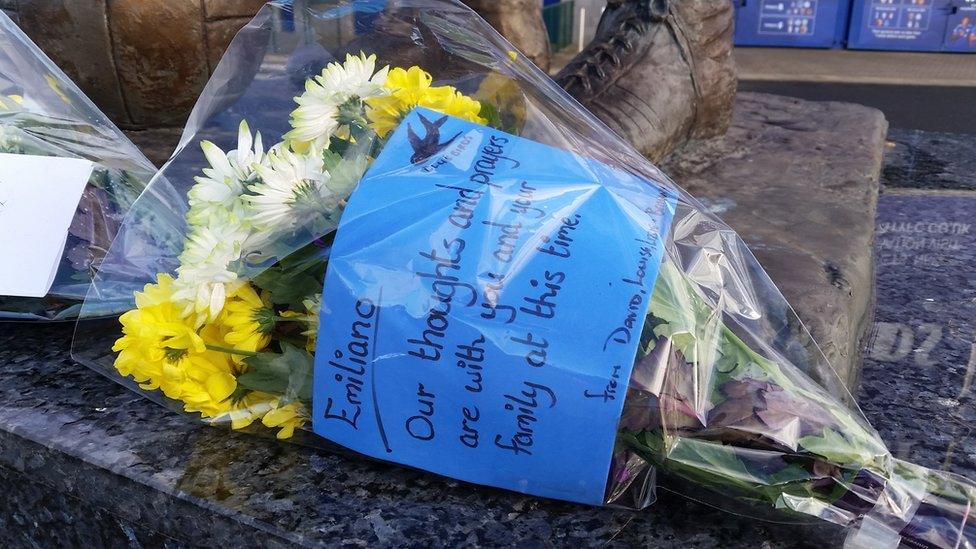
<point>230,351</point>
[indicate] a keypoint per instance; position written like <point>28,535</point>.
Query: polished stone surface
<point>95,461</point>
<point>931,160</point>
<point>920,366</point>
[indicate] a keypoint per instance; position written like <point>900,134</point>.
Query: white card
<point>38,199</point>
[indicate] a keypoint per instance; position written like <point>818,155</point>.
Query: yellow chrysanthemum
<point>412,88</point>
<point>207,386</point>
<point>262,406</point>
<point>246,321</point>
<point>248,409</point>
<point>161,349</point>
<point>311,319</point>
<point>55,86</point>
<point>288,418</point>
<point>154,330</point>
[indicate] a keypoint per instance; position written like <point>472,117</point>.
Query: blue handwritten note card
<point>482,308</point>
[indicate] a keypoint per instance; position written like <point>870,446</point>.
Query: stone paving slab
<point>920,367</point>
<point>855,66</point>
<point>930,160</point>
<point>798,180</point>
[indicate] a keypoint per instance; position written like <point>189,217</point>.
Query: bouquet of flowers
<point>411,242</point>
<point>43,114</point>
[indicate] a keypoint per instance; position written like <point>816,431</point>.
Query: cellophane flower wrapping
<point>43,113</point>
<point>390,231</point>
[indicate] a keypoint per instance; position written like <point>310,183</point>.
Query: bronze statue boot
<point>658,72</point>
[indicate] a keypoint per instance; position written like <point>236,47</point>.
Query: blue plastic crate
<point>907,25</point>
<point>791,23</point>
<point>960,34</point>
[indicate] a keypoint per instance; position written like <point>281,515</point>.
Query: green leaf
<point>288,288</point>
<point>490,113</point>
<point>711,460</point>
<point>691,324</point>
<point>288,374</point>
<point>338,146</point>
<point>331,159</point>
<point>296,277</point>
<point>835,448</point>
<point>732,358</point>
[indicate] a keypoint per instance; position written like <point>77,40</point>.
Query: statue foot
<point>658,72</point>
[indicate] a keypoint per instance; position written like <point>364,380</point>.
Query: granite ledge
<point>117,456</point>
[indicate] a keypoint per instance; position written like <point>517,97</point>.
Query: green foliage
<point>836,448</point>
<point>490,113</point>
<point>288,287</point>
<point>288,373</point>
<point>686,319</point>
<point>842,443</point>
<point>296,277</point>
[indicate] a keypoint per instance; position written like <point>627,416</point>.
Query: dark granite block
<point>920,368</point>
<point>33,514</point>
<point>70,431</point>
<point>930,160</point>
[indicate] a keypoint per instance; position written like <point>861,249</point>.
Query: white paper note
<point>38,199</point>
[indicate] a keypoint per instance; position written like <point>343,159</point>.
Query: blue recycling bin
<point>960,34</point>
<point>905,25</point>
<point>791,23</point>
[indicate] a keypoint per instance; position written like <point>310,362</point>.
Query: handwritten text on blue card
<point>482,307</point>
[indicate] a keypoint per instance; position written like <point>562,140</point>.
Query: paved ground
<point>928,108</point>
<point>918,376</point>
<point>930,160</point>
<point>856,67</point>
<point>917,91</point>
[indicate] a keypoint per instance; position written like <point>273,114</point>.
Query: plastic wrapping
<point>43,113</point>
<point>361,116</point>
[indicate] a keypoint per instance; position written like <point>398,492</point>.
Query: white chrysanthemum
<point>317,116</point>
<point>356,77</point>
<point>222,184</point>
<point>293,188</point>
<point>205,263</point>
